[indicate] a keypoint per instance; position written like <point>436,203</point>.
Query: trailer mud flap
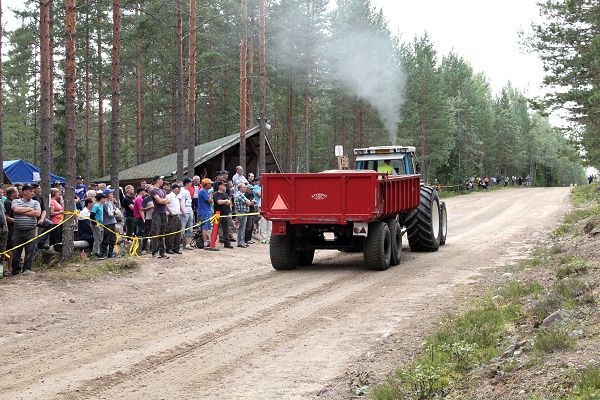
<point>360,229</point>
<point>279,228</point>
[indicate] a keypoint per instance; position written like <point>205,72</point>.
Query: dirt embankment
<point>227,326</point>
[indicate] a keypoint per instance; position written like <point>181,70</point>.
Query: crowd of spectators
<point>158,210</point>
<point>486,182</point>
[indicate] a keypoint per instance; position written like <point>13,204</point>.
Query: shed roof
<point>166,165</point>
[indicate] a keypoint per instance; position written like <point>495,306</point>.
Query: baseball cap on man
<point>106,192</point>
<point>79,177</point>
<point>207,181</point>
<point>157,177</point>
<point>186,180</point>
<point>27,187</point>
<point>175,186</point>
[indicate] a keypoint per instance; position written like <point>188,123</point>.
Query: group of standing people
<point>167,213</point>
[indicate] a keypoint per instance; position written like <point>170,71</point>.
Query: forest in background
<point>334,76</point>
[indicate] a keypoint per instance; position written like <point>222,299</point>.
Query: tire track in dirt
<point>100,384</point>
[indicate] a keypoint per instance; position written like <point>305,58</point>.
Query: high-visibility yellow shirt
<point>386,169</point>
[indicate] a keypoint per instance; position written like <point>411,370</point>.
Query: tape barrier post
<point>215,233</point>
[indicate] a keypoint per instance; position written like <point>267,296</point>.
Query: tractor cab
<point>393,160</point>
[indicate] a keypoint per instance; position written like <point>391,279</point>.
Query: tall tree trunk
<point>343,132</point>
<point>263,86</point>
<point>243,84</point>
<point>70,126</point>
<point>288,122</point>
<point>1,108</point>
<point>174,111</point>
<point>210,110</point>
<point>88,102</point>
<point>306,125</point>
<point>45,95</point>
<point>51,144</point>
<point>101,144</point>
<point>250,112</point>
<point>139,140</point>
<point>225,110</point>
<point>179,13</point>
<point>125,134</point>
<point>36,109</point>
<point>116,97</point>
<point>152,124</point>
<point>192,91</point>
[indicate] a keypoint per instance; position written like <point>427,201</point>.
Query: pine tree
<point>70,123</point>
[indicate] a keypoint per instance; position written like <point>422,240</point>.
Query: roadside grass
<point>477,339</point>
<point>515,290</point>
<point>549,340</point>
<point>587,386</point>
<point>587,199</point>
<point>88,269</point>
<point>584,195</point>
<point>463,343</point>
<point>571,265</point>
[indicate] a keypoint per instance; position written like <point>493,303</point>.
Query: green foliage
<point>571,288</point>
<point>574,217</point>
<point>516,289</point>
<point>587,386</point>
<point>568,43</point>
<point>549,340</point>
<point>546,306</point>
<point>584,195</point>
<point>463,343</point>
<point>571,266</point>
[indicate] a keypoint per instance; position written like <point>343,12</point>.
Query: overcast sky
<point>484,32</point>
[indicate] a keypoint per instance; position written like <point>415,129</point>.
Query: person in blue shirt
<point>97,215</point>
<point>205,211</point>
<point>80,191</point>
<point>264,226</point>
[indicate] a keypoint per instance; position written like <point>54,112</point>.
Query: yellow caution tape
<point>135,240</point>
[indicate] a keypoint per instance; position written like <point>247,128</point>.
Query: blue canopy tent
<point>20,171</point>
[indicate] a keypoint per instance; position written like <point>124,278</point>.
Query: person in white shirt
<point>187,215</point>
<point>238,178</point>
<point>174,209</point>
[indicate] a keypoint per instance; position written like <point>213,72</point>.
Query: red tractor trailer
<point>367,210</point>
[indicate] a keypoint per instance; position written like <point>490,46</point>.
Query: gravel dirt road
<point>225,325</point>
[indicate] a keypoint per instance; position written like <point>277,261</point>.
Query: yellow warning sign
<point>279,204</point>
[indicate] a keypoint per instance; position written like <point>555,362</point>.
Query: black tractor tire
<point>283,255</point>
<point>443,223</point>
<point>378,246</point>
<point>423,223</point>
<point>396,237</point>
<point>306,257</point>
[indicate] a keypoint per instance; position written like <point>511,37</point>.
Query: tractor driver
<point>386,168</point>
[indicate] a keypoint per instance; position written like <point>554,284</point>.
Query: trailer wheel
<point>423,223</point>
<point>443,224</point>
<point>306,257</point>
<point>396,237</point>
<point>378,246</point>
<point>283,255</point>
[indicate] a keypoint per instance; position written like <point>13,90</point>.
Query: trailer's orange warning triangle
<point>279,204</point>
